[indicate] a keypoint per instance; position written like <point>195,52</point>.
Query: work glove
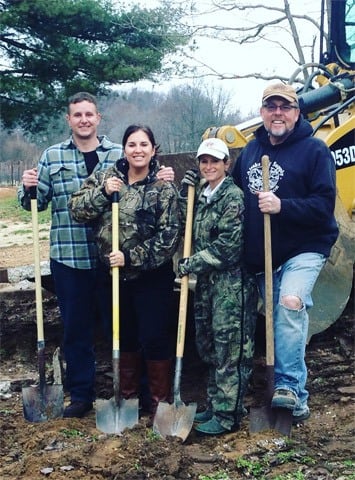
<point>183,267</point>
<point>191,177</point>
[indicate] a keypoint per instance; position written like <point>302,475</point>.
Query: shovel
<point>115,415</point>
<point>265,417</point>
<point>176,419</point>
<point>40,402</point>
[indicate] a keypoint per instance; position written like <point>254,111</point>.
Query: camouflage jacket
<point>149,218</point>
<point>217,228</point>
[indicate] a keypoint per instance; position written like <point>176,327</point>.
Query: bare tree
<point>16,154</point>
<point>189,110</point>
<point>178,117</point>
<point>247,23</point>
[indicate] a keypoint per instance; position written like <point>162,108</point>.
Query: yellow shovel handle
<point>37,267</point>
<point>115,279</point>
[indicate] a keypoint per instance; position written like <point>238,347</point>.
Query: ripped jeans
<point>295,278</point>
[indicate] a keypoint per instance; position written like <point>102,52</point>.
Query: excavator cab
<point>341,43</point>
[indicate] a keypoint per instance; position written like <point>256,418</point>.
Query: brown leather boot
<point>130,372</point>
<point>159,378</point>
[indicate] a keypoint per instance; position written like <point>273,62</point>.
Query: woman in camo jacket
<point>149,233</point>
<point>225,295</point>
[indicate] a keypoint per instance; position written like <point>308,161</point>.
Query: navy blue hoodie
<point>302,175</point>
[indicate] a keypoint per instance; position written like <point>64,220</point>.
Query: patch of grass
<point>257,469</point>
<point>22,232</point>
<point>293,456</point>
<point>152,436</point>
<point>291,476</point>
<point>73,432</point>
<point>215,476</point>
<point>7,412</point>
<point>252,469</point>
<point>10,209</point>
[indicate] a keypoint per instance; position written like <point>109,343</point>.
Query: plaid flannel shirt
<point>61,171</point>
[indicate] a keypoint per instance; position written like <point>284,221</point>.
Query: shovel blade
<point>114,418</point>
<point>40,405</point>
<point>174,420</point>
<point>283,421</point>
<point>267,418</point>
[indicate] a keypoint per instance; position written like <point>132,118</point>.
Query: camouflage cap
<point>280,90</point>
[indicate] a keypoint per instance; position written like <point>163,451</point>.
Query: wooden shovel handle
<point>184,286</point>
<point>268,270</point>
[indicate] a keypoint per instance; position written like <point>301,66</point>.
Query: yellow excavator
<point>330,108</point>
<point>327,100</point>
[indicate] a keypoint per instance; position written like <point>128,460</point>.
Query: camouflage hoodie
<point>149,218</point>
<point>217,228</point>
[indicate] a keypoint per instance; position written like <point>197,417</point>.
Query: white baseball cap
<point>214,147</point>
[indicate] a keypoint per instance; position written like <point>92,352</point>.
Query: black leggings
<point>147,319</point>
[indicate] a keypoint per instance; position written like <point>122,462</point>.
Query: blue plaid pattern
<point>61,171</point>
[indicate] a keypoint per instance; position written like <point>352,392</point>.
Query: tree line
<point>178,119</point>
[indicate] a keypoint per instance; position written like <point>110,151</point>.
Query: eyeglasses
<point>271,107</point>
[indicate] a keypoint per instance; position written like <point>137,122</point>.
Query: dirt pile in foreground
<point>322,448</point>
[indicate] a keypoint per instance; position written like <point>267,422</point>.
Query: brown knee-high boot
<point>130,372</point>
<point>159,378</point>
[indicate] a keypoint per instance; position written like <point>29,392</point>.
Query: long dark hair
<point>136,128</point>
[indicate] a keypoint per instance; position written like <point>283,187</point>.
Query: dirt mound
<point>321,448</point>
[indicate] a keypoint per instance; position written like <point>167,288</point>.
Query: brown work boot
<point>159,378</point>
<point>130,372</point>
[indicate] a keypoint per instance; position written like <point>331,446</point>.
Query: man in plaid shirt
<point>61,170</point>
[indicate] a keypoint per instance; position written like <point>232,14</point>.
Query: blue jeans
<point>75,290</point>
<point>295,277</point>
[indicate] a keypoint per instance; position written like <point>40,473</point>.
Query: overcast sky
<point>233,59</point>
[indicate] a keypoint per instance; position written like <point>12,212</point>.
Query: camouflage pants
<point>225,311</point>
